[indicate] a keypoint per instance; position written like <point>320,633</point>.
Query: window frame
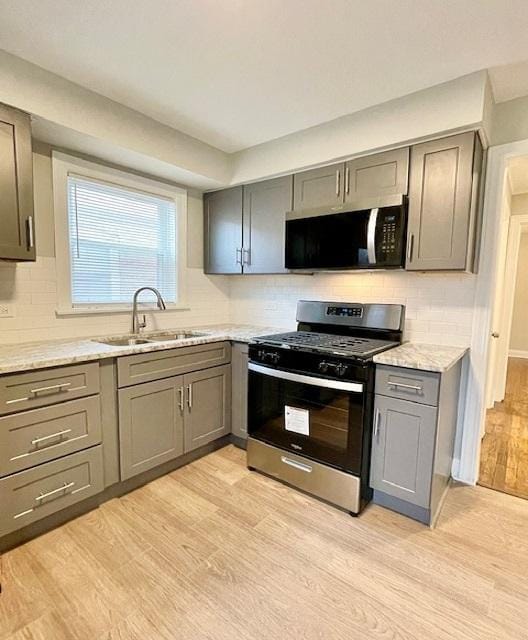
<point>64,165</point>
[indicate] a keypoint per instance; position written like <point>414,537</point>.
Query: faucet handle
<point>143,323</point>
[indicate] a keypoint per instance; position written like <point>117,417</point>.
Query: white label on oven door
<point>297,420</point>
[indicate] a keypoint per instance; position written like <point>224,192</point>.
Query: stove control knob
<point>341,369</point>
<point>274,358</point>
<point>323,367</point>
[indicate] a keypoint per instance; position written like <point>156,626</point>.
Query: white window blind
<point>120,240</point>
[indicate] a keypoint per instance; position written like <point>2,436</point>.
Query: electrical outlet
<point>7,310</point>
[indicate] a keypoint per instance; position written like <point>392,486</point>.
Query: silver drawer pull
<point>412,387</point>
<point>53,387</point>
<point>59,434</point>
<point>65,486</point>
<point>297,465</point>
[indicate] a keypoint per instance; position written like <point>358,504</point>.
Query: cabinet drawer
<point>40,435</point>
<point>146,367</point>
<point>408,384</point>
<point>36,493</point>
<point>21,391</point>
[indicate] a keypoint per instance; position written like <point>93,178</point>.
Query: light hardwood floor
<point>504,453</point>
<point>213,551</point>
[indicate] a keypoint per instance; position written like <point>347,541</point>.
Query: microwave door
<point>371,236</point>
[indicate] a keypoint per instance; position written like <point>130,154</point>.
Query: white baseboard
<point>517,353</point>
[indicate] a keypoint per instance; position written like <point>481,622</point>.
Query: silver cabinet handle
<point>246,256</point>
<point>189,396</point>
<point>411,247</point>
<point>59,434</point>
<point>65,487</point>
<point>181,401</point>
<point>377,421</point>
<point>495,335</point>
<point>297,465</point>
<point>338,182</point>
<point>347,180</point>
<point>30,232</point>
<point>54,387</point>
<point>239,256</point>
<point>412,387</point>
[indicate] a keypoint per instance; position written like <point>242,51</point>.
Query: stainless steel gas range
<point>310,399</point>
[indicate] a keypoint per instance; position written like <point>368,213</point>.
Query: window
<point>122,234</point>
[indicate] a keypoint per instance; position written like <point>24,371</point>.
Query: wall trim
<point>517,353</point>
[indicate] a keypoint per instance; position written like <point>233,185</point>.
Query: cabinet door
<point>376,176</point>
<point>403,449</point>
<point>150,425</point>
<point>265,207</point>
<point>440,196</point>
<point>223,231</point>
<point>17,240</point>
<point>208,406</point>
<point>239,364</point>
<point>319,187</point>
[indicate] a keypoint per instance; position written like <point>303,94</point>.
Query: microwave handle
<point>371,236</point>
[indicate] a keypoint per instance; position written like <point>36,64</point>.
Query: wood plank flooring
<point>213,551</point>
<point>504,453</point>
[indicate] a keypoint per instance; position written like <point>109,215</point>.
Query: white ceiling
<point>235,73</point>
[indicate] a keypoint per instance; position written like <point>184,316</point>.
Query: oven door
<point>319,418</point>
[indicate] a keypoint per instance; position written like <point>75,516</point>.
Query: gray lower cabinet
<point>17,240</point>
<point>38,492</point>
<point>150,425</point>
<point>208,406</point>
<point>264,219</point>
<point>223,231</point>
<point>444,207</point>
<point>239,409</point>
<point>415,418</point>
<point>402,449</point>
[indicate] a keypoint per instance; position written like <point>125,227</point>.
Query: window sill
<point>62,312</point>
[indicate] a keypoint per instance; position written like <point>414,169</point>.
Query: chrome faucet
<point>137,325</point>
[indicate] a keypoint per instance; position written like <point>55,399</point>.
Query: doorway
<point>504,449</point>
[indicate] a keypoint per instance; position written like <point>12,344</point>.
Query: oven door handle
<point>354,387</point>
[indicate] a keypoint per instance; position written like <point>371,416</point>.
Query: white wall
<point>30,289</point>
<point>519,330</point>
<point>460,104</point>
<point>439,306</point>
<point>510,121</point>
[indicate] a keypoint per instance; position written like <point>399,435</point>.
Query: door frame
<point>518,225</point>
<point>473,410</point>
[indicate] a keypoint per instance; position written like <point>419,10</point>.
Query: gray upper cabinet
<point>17,241</point>
<point>324,186</point>
<point>403,449</point>
<point>208,406</point>
<point>376,176</point>
<point>223,231</point>
<point>443,203</point>
<point>264,216</point>
<point>150,425</point>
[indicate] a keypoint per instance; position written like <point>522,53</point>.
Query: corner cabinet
<point>444,207</point>
<point>244,227</point>
<point>17,240</point>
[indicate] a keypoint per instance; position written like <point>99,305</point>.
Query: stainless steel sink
<point>123,342</point>
<point>175,335</point>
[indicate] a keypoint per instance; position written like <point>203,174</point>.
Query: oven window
<point>325,424</point>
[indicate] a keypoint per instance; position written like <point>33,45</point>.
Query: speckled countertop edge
<point>421,356</point>
<point>30,356</point>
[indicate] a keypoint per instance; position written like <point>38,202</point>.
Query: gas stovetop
<point>329,343</point>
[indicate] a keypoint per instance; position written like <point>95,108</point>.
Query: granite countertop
<point>424,357</point>
<point>39,355</point>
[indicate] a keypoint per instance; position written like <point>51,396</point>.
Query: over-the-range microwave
<point>366,235</point>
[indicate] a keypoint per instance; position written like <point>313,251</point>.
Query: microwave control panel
<point>390,237</point>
